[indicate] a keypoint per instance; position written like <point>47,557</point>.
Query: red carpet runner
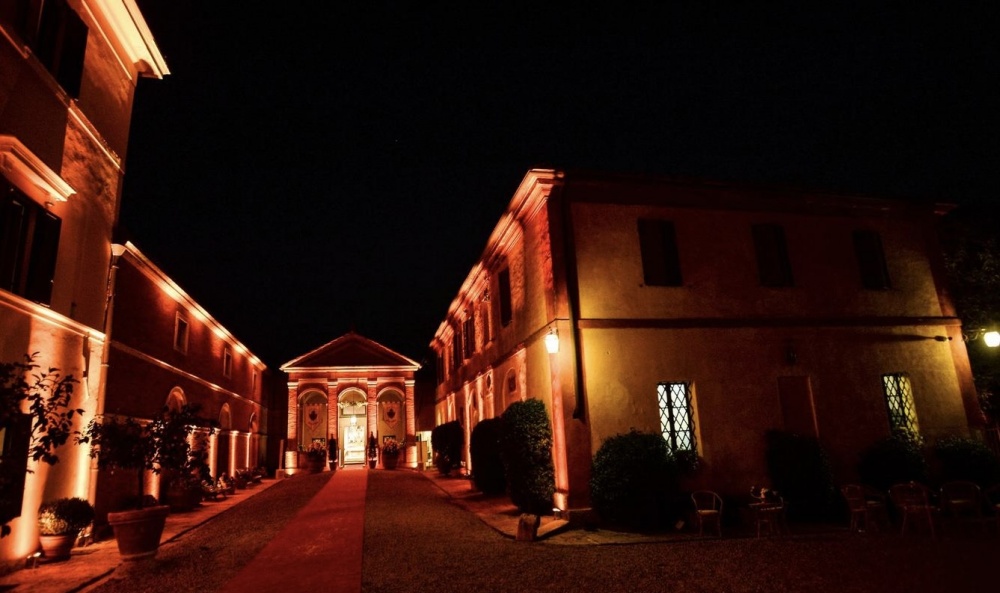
<point>320,548</point>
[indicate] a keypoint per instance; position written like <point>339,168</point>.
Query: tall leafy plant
<point>448,439</point>
<point>130,445</point>
<point>487,463</point>
<point>47,425</point>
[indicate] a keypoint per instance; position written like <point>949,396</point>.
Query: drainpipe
<point>102,381</point>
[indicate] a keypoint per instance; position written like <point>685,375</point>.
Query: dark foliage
<point>893,460</point>
<point>635,481</point>
<point>64,516</point>
<point>447,440</point>
<point>49,423</point>
<point>956,458</point>
<point>487,463</point>
<point>160,446</point>
<point>800,472</point>
<point>526,449</point>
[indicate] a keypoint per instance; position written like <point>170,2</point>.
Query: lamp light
<point>552,341</point>
<point>992,339</point>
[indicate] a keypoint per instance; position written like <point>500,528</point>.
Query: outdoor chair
<point>912,500</point>
<point>769,512</point>
<point>865,505</point>
<point>707,509</point>
<point>962,501</point>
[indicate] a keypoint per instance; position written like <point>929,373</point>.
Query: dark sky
<point>316,167</point>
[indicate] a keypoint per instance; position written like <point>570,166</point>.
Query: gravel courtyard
<point>416,539</point>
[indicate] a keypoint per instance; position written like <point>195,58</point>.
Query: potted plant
<point>315,457</point>
<point>126,444</point>
<point>390,453</point>
<point>372,450</point>
<point>59,523</point>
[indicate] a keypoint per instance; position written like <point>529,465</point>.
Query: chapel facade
<point>350,389</point>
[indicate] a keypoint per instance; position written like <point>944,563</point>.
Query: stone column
<point>411,426</point>
<point>372,410</point>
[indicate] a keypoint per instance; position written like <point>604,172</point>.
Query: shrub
<point>487,464</point>
<point>447,441</point>
<point>893,460</point>
<point>800,472</point>
<point>65,516</point>
<point>526,450</point>
<point>635,480</point>
<point>959,458</point>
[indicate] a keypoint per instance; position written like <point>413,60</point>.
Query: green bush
<point>893,460</point>
<point>447,440</point>
<point>635,481</point>
<point>958,458</point>
<point>800,472</point>
<point>64,516</point>
<point>526,449</point>
<point>487,464</point>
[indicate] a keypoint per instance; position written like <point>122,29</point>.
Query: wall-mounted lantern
<point>552,341</point>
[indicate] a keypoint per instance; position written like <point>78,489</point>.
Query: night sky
<point>309,167</point>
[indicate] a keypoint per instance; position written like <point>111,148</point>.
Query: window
<point>469,336</point>
<point>227,361</point>
<point>871,260</point>
<point>484,317</point>
<point>29,243</point>
<point>440,368</point>
<point>773,266</point>
<point>676,418</point>
<point>181,334</point>
<point>56,35</point>
<point>253,383</point>
<point>658,246</point>
<point>899,403</point>
<point>506,308</point>
<point>456,349</point>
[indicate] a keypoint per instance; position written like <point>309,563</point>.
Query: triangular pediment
<point>351,350</point>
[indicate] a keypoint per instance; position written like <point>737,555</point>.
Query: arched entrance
<point>312,418</point>
<point>352,426</point>
<point>391,416</point>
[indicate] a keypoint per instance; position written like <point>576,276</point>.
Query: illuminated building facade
<point>350,389</point>
<point>709,313</point>
<point>68,72</point>
<point>166,350</point>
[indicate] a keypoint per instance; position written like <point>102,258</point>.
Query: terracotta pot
<point>138,532</point>
<point>371,463</point>
<point>57,547</point>
<point>390,461</point>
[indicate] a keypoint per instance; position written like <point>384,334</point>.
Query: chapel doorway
<point>352,427</point>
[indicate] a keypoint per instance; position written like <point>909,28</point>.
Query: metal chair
<point>913,502</point>
<point>707,509</point>
<point>962,501</point>
<point>770,513</point>
<point>865,504</point>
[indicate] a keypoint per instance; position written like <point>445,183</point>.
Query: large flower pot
<point>57,547</point>
<point>390,461</point>
<point>138,532</point>
<point>314,466</point>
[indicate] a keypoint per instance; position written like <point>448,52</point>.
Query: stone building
<point>350,389</point>
<point>166,350</point>
<point>68,73</point>
<point>709,313</point>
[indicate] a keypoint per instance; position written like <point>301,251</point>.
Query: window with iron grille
<point>56,34</point>
<point>676,417</point>
<point>469,336</point>
<point>899,402</point>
